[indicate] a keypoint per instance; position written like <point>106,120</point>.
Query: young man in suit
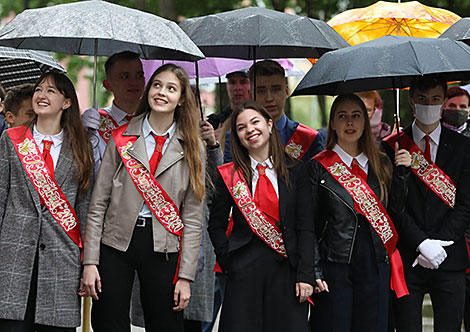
<point>271,92</point>
<point>436,213</point>
<point>125,79</point>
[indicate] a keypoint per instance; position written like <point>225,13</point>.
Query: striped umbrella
<point>18,66</point>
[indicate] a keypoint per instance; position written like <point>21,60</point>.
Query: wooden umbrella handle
<point>86,314</point>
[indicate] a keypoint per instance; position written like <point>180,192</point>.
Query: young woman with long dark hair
<point>269,254</point>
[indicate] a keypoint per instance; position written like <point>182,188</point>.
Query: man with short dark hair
<point>436,213</point>
<point>300,141</point>
<point>18,105</point>
<point>455,115</point>
<point>125,79</point>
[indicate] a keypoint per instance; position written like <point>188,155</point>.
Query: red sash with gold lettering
<point>367,204</point>
<point>107,125</point>
<point>161,205</point>
<point>432,176</point>
<point>262,226</point>
<point>49,191</point>
<point>300,141</point>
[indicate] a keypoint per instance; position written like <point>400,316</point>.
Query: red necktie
<point>46,153</point>
<point>157,153</point>
<point>427,149</point>
<point>357,170</point>
<point>129,117</point>
<point>265,195</point>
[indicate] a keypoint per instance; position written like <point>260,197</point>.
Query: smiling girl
<point>351,180</point>
<point>269,254</point>
<point>45,187</point>
<point>146,210</point>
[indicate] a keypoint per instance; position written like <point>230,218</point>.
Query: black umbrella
<point>387,62</point>
<point>24,66</point>
<point>260,33</point>
<point>460,30</point>
<point>384,63</point>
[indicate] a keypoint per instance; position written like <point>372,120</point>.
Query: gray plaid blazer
<point>27,228</point>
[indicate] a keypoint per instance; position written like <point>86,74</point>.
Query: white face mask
<point>376,118</point>
<point>428,114</point>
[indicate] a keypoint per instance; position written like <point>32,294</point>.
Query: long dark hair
<point>366,143</point>
<point>240,155</point>
<point>187,121</point>
<point>74,133</point>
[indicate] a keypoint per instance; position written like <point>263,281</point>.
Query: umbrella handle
<point>86,314</point>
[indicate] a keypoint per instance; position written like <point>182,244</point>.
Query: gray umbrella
<point>98,28</point>
<point>460,30</point>
<point>261,33</point>
<point>387,62</point>
<point>24,66</point>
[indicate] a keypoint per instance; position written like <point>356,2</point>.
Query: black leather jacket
<point>336,220</point>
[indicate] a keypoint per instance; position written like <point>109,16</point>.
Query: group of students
<point>85,210</point>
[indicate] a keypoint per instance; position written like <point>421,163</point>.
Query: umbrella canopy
<point>75,28</point>
<point>459,31</point>
<point>387,62</point>
<point>411,19</point>
<point>259,33</point>
<point>24,66</point>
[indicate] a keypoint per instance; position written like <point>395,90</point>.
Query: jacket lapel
<point>444,150</point>
<point>283,192</point>
<point>173,153</point>
<point>64,164</point>
<point>138,150</point>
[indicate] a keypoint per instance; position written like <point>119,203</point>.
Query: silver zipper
<point>355,217</point>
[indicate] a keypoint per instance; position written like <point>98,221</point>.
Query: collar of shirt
<point>147,129</point>
<point>118,114</point>
<point>281,123</point>
<point>418,134</point>
<point>362,159</point>
<point>457,129</point>
<point>56,139</point>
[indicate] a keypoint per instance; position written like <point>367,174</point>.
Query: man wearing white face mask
<point>374,106</point>
<point>436,213</point>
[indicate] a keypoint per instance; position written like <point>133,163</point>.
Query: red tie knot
<point>427,138</point>
<point>47,145</point>
<point>159,142</point>
<point>261,169</point>
<point>129,117</point>
<point>354,162</point>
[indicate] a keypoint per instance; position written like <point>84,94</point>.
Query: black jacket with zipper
<point>336,220</point>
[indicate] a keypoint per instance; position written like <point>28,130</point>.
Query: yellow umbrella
<point>383,18</point>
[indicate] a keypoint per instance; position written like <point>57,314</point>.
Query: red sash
<point>432,176</point>
<point>367,204</point>
<point>107,125</point>
<point>161,205</point>
<point>300,141</point>
<point>262,226</point>
<point>49,191</point>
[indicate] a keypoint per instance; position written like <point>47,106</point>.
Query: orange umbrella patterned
<point>411,19</point>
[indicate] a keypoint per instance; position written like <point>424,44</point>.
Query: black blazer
<point>427,216</point>
<point>296,223</point>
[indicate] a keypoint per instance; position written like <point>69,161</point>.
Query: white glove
<point>91,118</point>
<point>433,250</point>
<point>421,260</point>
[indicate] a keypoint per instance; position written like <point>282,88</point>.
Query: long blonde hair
<point>186,121</point>
<point>367,145</point>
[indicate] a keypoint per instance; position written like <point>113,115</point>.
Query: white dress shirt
<point>97,142</point>
<point>362,159</point>
<point>148,132</point>
<point>418,138</point>
<point>56,140</point>
<point>270,173</point>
